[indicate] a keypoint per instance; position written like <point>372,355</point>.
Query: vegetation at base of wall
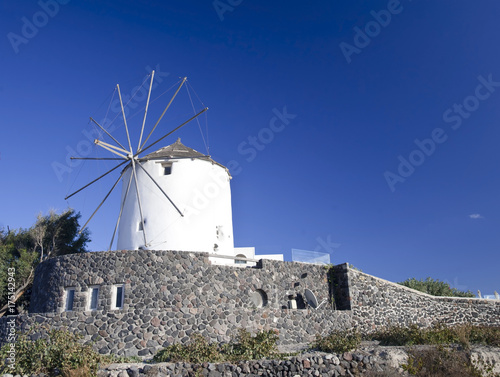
<point>338,341</point>
<point>435,288</point>
<point>197,350</point>
<point>22,249</point>
<point>445,361</point>
<point>243,347</point>
<point>439,333</point>
<point>60,352</point>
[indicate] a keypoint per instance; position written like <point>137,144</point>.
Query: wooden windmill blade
<point>132,159</point>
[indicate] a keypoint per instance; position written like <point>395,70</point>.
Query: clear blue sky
<point>364,79</point>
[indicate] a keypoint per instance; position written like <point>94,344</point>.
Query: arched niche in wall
<point>259,298</point>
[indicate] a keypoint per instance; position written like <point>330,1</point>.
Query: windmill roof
<point>179,150</point>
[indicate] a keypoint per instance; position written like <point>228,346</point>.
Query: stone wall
<point>376,303</point>
<point>142,332</point>
<point>169,295</point>
<point>168,279</point>
<point>328,365</point>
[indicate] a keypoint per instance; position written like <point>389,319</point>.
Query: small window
<point>93,297</point>
<point>118,294</point>
<point>167,168</point>
<point>140,227</point>
<point>219,232</point>
<point>239,261</point>
<point>70,297</point>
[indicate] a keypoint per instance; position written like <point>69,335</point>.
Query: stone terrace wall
<point>326,365</point>
<point>169,295</point>
<point>143,332</point>
<point>377,303</point>
<point>170,279</point>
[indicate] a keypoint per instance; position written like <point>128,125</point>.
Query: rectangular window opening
<point>94,296</point>
<point>70,297</point>
<point>118,295</point>
<point>166,168</point>
<point>140,227</point>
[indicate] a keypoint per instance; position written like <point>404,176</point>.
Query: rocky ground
<point>370,359</point>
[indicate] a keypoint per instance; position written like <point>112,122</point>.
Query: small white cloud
<point>476,216</point>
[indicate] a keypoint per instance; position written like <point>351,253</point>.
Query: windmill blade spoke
<point>139,202</point>
<point>121,211</point>
<point>164,111</point>
<point>124,117</point>
<point>95,180</point>
<point>96,158</point>
<point>171,132</point>
<point>146,109</point>
<point>107,133</point>
<point>164,193</point>
<point>105,198</point>
<point>112,148</point>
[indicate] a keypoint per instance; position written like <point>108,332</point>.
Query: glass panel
<point>93,299</point>
<point>306,256</point>
<point>119,297</point>
<point>70,296</point>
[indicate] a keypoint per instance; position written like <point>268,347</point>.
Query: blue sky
<point>390,151</point>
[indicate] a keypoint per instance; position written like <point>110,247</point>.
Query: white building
<point>196,217</point>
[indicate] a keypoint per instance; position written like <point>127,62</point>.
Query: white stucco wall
<point>200,189</point>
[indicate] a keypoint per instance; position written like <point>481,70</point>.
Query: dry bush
<point>440,361</point>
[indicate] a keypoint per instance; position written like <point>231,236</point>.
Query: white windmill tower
<point>199,217</point>
<point>172,199</point>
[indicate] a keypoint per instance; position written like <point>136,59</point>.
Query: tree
<point>435,288</point>
<point>55,235</point>
<point>21,250</point>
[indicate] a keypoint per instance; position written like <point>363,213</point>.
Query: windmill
<point>142,173</point>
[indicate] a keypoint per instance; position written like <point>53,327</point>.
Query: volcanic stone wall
<point>376,303</point>
<point>170,295</point>
<point>170,279</point>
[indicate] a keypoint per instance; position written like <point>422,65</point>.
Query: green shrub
<point>413,334</point>
<point>439,333</point>
<point>435,288</point>
<point>198,350</point>
<point>59,351</point>
<point>248,347</point>
<point>338,341</point>
<point>487,335</point>
<point>243,347</point>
